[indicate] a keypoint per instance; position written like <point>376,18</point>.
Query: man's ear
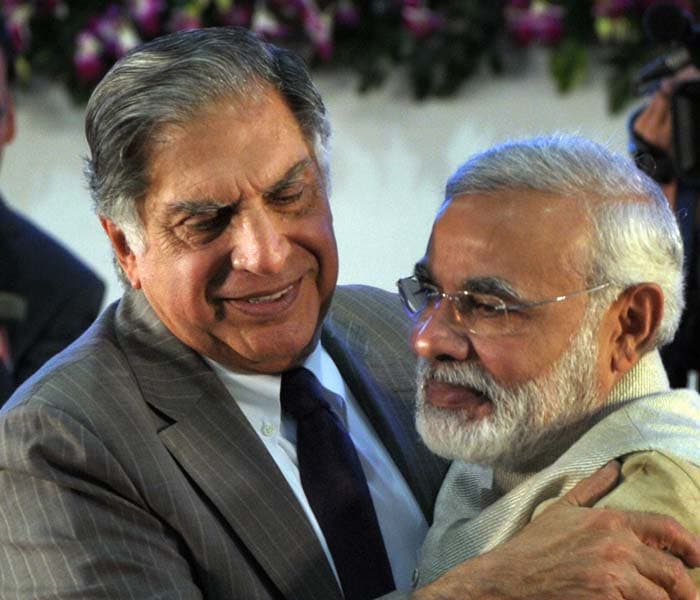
<point>123,252</point>
<point>637,316</point>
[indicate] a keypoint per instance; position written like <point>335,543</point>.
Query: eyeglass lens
<point>482,314</point>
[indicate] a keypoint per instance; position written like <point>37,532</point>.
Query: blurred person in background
<point>651,137</point>
<point>48,297</point>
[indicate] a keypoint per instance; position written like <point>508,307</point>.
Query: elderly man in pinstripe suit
<point>152,459</point>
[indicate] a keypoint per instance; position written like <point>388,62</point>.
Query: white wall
<point>391,157</point>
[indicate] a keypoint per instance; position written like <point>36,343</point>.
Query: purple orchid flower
<point>184,19</point>
<point>266,25</point>
<point>541,22</point>
<point>147,14</point>
<point>106,27</point>
<point>17,22</point>
<point>347,14</point>
<point>419,19</point>
<point>87,58</point>
<point>614,9</point>
<point>239,15</point>
<point>319,27</point>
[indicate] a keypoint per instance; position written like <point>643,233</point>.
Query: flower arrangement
<point>439,44</point>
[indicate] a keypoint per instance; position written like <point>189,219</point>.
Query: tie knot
<point>301,393</point>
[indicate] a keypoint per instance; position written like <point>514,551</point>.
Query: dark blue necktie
<point>336,488</point>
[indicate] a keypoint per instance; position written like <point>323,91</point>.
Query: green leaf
<point>619,90</point>
<point>569,65</point>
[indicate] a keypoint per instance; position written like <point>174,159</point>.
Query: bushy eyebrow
<point>197,207</point>
<point>209,205</point>
<point>495,286</point>
<point>289,177</point>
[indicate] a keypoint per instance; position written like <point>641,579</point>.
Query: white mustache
<point>466,375</point>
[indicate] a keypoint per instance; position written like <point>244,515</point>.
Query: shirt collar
<point>257,394</point>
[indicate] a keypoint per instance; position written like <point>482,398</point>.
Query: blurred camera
<point>666,23</point>
<point>685,120</point>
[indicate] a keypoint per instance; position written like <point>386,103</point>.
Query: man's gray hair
<point>168,82</point>
<point>635,236</point>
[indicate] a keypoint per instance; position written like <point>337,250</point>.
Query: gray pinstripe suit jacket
<point>127,471</point>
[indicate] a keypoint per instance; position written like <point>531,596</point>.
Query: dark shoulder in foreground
<point>85,369</point>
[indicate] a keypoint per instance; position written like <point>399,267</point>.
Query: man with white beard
<point>554,272</point>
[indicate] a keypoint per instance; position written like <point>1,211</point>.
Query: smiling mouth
<point>262,305</point>
<point>269,297</point>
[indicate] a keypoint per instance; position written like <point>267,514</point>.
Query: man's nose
<point>260,243</point>
<point>439,335</point>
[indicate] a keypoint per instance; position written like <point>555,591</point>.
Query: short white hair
<point>635,235</point>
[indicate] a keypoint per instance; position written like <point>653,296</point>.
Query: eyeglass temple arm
<point>590,290</point>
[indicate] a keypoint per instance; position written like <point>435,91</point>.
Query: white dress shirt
<point>400,518</point>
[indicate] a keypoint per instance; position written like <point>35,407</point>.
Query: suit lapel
<point>367,339</point>
<point>217,448</point>
<point>213,442</point>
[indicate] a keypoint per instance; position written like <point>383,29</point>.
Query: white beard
<point>523,416</point>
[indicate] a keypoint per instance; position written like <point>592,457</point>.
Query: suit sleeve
<point>70,501</point>
<point>661,483</point>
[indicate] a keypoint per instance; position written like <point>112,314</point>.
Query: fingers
<point>636,570</point>
<point>688,73</point>
<point>588,491</point>
<point>578,554</point>
<point>643,589</point>
<point>665,533</point>
<point>668,85</point>
<point>667,573</point>
<point>654,123</point>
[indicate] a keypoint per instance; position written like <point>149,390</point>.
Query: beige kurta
<point>654,429</point>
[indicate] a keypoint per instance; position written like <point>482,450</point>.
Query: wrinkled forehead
<point>525,237</point>
<point>230,151</point>
<point>240,116</point>
<point>171,119</point>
